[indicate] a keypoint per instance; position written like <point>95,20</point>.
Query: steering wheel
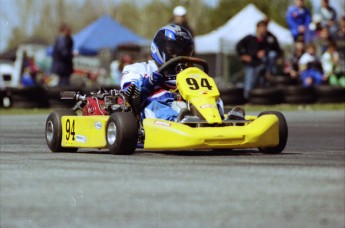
<point>191,61</point>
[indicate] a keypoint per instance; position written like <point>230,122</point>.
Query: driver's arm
<point>149,83</point>
<point>144,81</point>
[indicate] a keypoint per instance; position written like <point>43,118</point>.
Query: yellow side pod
<point>167,135</point>
<point>84,131</point>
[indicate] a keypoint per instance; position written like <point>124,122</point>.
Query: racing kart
<point>111,119</point>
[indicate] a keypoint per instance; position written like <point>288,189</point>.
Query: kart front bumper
<point>167,135</point>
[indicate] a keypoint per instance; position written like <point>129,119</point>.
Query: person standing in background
<point>329,17</point>
<point>298,51</point>
<point>63,56</point>
<point>298,19</point>
<point>180,18</point>
<point>272,50</point>
<point>251,51</point>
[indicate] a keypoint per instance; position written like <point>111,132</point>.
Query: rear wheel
<point>283,134</point>
<point>53,131</point>
<point>122,133</point>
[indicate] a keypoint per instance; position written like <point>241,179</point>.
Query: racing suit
<point>156,100</point>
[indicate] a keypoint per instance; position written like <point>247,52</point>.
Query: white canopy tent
<point>225,38</point>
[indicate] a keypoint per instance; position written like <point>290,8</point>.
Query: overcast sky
<point>9,18</point>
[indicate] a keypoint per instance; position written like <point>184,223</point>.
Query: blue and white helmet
<point>171,41</point>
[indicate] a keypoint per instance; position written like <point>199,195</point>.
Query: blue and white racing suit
<point>158,99</point>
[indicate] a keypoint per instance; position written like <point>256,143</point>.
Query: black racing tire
<point>265,92</point>
<point>283,134</point>
<point>5,98</point>
<point>231,91</point>
<point>233,100</point>
<point>299,95</point>
<point>299,99</point>
<point>298,90</point>
<point>122,133</point>
<point>232,96</point>
<point>264,101</point>
<point>282,80</point>
<point>28,97</point>
<point>266,96</point>
<point>2,96</point>
<point>53,131</point>
<point>329,100</point>
<point>330,94</point>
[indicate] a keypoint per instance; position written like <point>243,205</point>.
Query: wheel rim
<point>50,131</point>
<point>111,133</point>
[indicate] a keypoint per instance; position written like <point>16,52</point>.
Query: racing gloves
<point>149,84</point>
<point>155,79</point>
<point>137,92</point>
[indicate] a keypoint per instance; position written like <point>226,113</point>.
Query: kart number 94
<point>194,85</point>
<point>70,130</point>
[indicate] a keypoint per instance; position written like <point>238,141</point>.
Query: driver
<point>156,92</point>
<point>149,91</point>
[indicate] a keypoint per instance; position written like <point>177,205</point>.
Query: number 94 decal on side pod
<point>70,130</point>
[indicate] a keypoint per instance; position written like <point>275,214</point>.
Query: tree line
<point>40,19</point>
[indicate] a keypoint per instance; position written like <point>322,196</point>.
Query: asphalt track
<point>302,187</point>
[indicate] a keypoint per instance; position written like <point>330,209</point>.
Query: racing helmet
<point>171,41</point>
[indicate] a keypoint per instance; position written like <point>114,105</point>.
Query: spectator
<point>330,62</point>
<point>180,18</point>
<point>252,54</point>
<point>299,49</point>
<point>272,50</point>
<point>340,41</point>
<point>30,71</point>
<point>314,28</point>
<point>116,68</point>
<point>63,56</point>
<point>27,79</point>
<point>328,17</point>
<point>298,19</point>
<point>322,41</point>
<point>310,67</point>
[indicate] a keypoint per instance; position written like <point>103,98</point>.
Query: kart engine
<point>102,102</point>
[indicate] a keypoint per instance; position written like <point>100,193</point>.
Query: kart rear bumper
<point>167,135</point>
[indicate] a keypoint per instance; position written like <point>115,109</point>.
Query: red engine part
<point>94,107</point>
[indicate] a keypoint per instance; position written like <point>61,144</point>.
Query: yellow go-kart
<point>110,119</point>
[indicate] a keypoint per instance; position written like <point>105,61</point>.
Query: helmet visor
<point>175,48</point>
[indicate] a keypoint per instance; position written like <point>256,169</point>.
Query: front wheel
<point>122,133</point>
<point>53,131</point>
<point>283,134</point>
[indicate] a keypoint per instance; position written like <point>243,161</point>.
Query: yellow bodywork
<point>84,131</point>
<point>167,135</point>
<point>201,91</point>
